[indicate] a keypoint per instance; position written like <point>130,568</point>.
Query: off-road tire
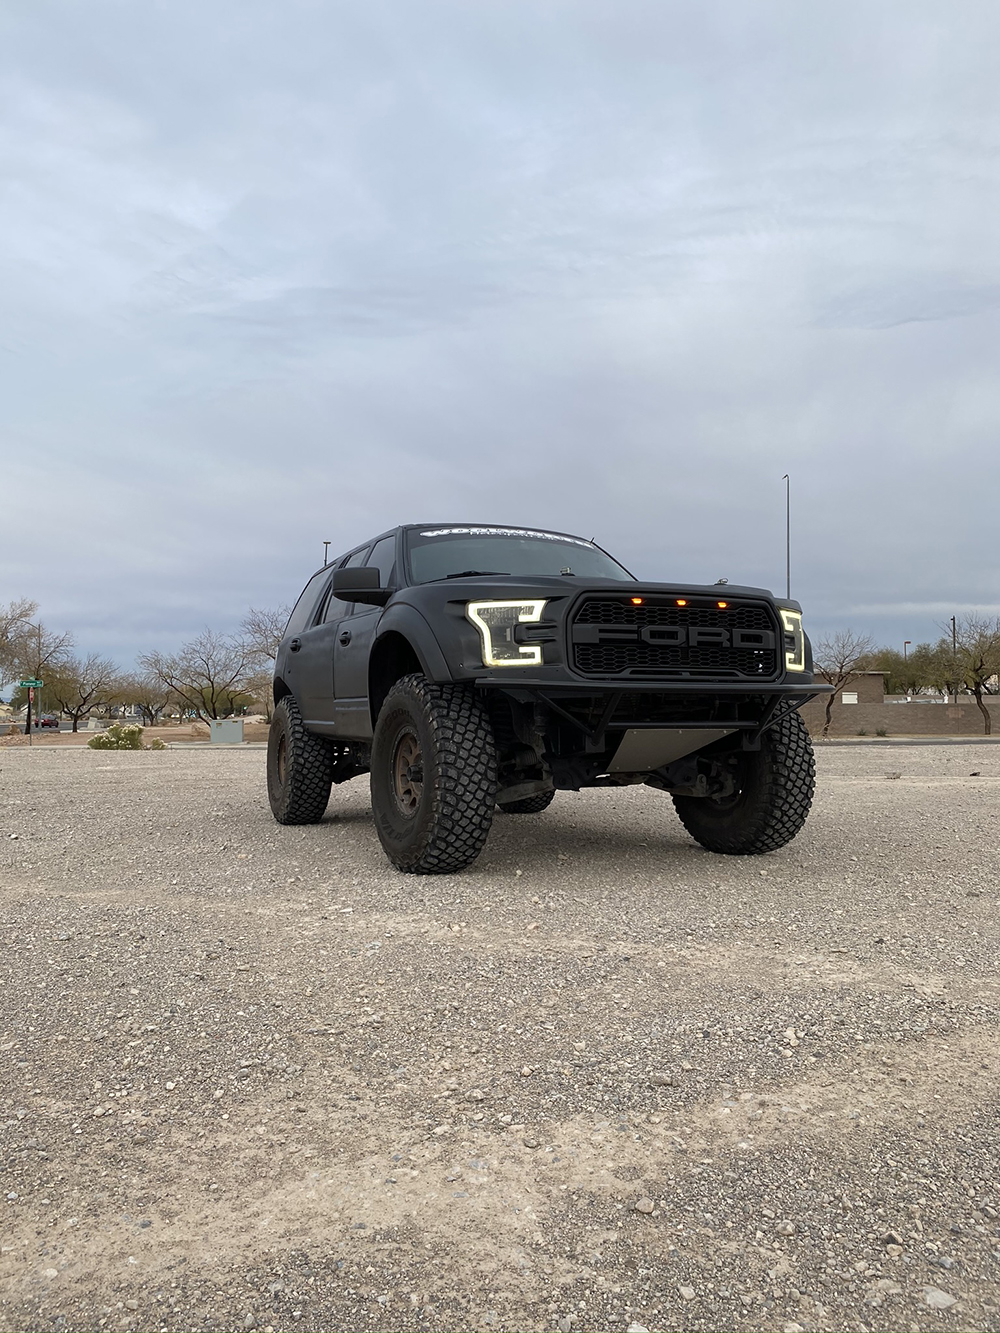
<point>437,823</point>
<point>775,790</point>
<point>530,805</point>
<point>299,768</point>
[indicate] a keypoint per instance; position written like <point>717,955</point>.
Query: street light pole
<point>954,653</point>
<point>326,552</point>
<point>906,644</point>
<point>31,688</point>
<point>788,536</point>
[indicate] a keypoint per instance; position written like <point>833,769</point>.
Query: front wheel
<point>299,768</point>
<point>774,790</point>
<point>433,776</point>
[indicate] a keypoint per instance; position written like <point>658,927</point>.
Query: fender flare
<point>408,622</point>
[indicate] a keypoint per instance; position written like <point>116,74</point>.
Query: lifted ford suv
<point>469,668</point>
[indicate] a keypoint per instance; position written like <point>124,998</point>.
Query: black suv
<point>468,668</point>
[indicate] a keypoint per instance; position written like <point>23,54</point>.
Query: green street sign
<point>32,684</point>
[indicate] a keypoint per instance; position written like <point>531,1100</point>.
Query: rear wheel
<point>433,776</point>
<point>299,768</point>
<point>774,790</point>
<point>530,805</point>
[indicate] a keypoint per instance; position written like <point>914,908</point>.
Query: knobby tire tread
<point>463,791</point>
<point>782,797</point>
<point>308,768</point>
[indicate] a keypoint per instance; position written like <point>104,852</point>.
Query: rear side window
<point>383,558</point>
<point>302,612</point>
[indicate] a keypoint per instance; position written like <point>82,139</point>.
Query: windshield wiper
<point>469,573</point>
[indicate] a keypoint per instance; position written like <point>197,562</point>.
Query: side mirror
<point>360,585</point>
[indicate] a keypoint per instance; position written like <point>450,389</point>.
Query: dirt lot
<point>253,1078</point>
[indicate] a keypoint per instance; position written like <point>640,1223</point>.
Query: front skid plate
<point>640,751</point>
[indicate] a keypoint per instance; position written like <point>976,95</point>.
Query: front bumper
<point>557,681</point>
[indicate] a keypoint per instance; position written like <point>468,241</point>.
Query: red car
<point>48,720</point>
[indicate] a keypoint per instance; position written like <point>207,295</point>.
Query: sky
<point>274,274</point>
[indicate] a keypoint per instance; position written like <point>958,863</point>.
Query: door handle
<point>345,636</point>
<point>295,645</point>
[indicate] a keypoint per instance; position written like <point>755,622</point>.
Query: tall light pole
<point>906,644</point>
<point>788,537</point>
<point>326,552</point>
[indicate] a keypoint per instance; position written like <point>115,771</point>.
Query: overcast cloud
<point>274,273</point>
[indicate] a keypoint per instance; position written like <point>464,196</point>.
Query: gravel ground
<point>254,1078</point>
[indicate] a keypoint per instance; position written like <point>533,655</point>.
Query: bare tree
<point>209,675</point>
<point>841,658</point>
<point>78,687</point>
<point>977,654</point>
<point>264,629</point>
<point>14,621</point>
<point>36,650</point>
<point>147,693</point>
<point>260,688</point>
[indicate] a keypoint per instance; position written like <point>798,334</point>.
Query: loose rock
<point>938,1299</point>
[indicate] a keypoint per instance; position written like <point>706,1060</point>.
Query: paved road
<point>255,1078</point>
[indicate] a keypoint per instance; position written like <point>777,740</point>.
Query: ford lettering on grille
<point>658,638</point>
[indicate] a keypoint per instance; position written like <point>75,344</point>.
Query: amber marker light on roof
<point>637,601</point>
<point>682,601</point>
<point>722,605</point>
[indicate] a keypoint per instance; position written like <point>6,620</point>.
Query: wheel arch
<point>392,656</point>
<point>405,644</point>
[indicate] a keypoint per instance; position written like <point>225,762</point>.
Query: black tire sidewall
<point>407,835</point>
<point>458,756</point>
<point>303,795</point>
<point>278,735</point>
<point>776,785</point>
<point>744,814</point>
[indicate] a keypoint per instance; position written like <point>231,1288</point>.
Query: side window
<point>383,558</point>
<point>336,609</point>
<point>302,612</point>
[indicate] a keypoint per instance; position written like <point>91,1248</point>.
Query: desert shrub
<point>881,731</point>
<point>862,731</point>
<point>118,737</point>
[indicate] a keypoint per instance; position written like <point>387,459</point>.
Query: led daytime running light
<point>795,657</point>
<point>496,622</point>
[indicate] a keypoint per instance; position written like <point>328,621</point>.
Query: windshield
<point>440,553</point>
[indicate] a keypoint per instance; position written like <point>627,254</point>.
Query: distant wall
<point>912,719</point>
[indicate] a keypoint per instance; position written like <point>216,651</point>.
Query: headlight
<point>795,640</point>
<point>496,622</point>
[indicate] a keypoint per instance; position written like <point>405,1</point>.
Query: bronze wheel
<point>407,773</point>
<point>433,776</point>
